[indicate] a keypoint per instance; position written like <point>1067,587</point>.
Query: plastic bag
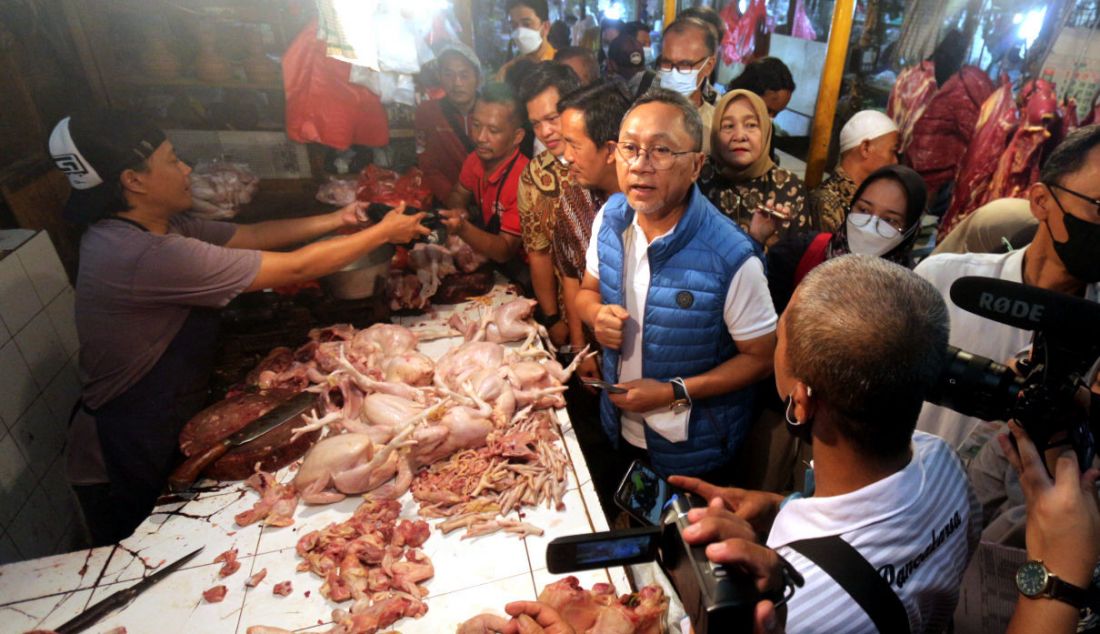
<point>219,188</point>
<point>378,185</point>
<point>337,191</point>
<point>322,106</point>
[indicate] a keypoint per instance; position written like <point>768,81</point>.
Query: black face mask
<point>1081,252</point>
<point>802,431</point>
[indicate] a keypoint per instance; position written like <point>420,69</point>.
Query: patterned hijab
<point>763,163</point>
<point>916,195</point>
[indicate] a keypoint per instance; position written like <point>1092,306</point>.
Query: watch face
<point>1031,579</point>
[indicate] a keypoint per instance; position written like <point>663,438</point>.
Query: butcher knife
<point>186,474</point>
<point>92,615</point>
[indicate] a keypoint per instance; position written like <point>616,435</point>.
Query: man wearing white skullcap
<point>867,142</point>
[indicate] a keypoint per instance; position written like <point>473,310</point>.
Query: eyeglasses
<point>680,67</point>
<point>660,156</point>
<point>882,226</point>
<point>1095,202</point>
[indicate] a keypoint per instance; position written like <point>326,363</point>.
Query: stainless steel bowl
<point>359,279</point>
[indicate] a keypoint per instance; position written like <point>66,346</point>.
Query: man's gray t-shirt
<point>136,288</point>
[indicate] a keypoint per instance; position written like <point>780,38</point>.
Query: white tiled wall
<point>38,387</point>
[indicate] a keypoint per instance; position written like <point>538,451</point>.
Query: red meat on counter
<point>1018,166</point>
<point>912,91</point>
<point>943,132</point>
<point>996,123</point>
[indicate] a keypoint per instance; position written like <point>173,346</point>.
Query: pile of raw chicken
<point>595,611</point>
<point>470,434</point>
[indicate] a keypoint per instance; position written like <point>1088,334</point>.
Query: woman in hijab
<point>740,177</point>
<point>883,220</point>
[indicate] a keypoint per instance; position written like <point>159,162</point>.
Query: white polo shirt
<point>917,528</point>
<point>748,311</point>
<point>972,333</point>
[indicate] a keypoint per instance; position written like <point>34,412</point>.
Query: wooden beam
<point>828,92</point>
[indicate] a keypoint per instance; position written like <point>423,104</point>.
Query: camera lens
<point>976,386</point>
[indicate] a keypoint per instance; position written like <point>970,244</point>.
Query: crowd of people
<point>656,223</point>
<point>751,327</point>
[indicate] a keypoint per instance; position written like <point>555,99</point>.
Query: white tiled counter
<point>471,576</point>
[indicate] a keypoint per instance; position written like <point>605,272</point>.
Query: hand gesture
<point>1063,516</point>
<point>758,508</point>
<point>532,617</point>
<point>399,228</point>
<point>352,215</point>
<point>643,395</point>
<point>763,226</point>
<point>455,220</point>
<point>608,325</point>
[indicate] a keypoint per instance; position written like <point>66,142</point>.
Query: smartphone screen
<point>601,550</point>
<point>643,494</point>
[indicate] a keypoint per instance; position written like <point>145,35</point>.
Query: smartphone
<point>604,385</point>
<point>602,550</point>
<point>643,494</point>
<point>774,213</point>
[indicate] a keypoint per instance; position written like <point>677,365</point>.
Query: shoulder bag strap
<point>859,579</point>
<point>811,257</point>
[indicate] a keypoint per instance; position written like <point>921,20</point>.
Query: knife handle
<point>186,474</point>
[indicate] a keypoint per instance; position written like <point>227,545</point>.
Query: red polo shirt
<point>496,193</point>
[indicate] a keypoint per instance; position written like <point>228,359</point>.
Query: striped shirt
<point>917,528</point>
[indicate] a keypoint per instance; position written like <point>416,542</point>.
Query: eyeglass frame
<point>879,220</point>
<point>677,66</point>
<point>647,151</point>
<point>1094,201</point>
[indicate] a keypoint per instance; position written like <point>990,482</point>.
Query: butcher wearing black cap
<point>151,279</point>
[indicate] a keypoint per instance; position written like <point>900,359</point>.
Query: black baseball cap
<point>93,149</point>
<point>628,54</point>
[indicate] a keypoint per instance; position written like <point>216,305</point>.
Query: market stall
<point>471,575</point>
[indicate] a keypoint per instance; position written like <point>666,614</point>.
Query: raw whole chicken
<point>346,462</point>
<point>508,322</point>
<point>219,188</point>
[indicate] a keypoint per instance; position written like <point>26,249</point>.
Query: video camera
<point>1045,395</point>
<point>433,221</point>
<point>715,598</point>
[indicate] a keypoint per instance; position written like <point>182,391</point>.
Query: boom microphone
<point>1026,307</point>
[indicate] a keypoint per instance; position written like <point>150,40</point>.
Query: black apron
<point>139,429</point>
<point>515,269</point>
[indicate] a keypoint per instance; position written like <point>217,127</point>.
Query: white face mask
<point>648,55</point>
<point>526,40</point>
<point>684,83</point>
<point>865,235</point>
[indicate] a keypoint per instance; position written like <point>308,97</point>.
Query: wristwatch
<point>546,321</point>
<point>680,396</point>
<point>1034,580</point>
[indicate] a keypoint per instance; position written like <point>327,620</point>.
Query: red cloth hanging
<point>322,106</point>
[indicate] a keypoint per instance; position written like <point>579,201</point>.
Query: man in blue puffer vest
<point>678,300</point>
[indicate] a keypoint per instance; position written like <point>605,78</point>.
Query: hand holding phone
<point>600,384</point>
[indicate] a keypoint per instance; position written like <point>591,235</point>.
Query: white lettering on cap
<point>69,159</point>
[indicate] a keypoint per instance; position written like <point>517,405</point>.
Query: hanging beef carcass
<point>1018,166</point>
<point>912,91</point>
<point>996,123</point>
<point>943,132</point>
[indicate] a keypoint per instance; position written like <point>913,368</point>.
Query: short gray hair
<point>869,337</point>
<point>689,114</point>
